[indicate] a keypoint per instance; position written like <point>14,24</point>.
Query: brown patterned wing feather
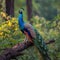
<point>31,29</point>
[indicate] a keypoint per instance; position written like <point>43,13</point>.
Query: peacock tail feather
<point>40,44</point>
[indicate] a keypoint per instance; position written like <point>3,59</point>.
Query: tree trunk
<point>29,9</point>
<point>10,7</point>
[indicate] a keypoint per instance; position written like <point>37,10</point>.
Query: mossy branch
<point>12,53</point>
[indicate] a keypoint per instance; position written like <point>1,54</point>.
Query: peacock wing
<point>31,29</point>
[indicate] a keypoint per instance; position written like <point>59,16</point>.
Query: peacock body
<point>33,36</point>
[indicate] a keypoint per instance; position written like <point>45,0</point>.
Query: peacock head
<point>20,17</point>
<point>21,11</point>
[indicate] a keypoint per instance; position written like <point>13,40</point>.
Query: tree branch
<point>11,53</point>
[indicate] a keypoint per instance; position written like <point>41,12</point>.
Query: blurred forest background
<point>44,16</point>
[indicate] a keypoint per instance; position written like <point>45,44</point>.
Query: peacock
<point>33,36</point>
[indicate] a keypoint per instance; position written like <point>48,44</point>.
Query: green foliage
<point>1,5</point>
<point>9,33</point>
<point>45,8</point>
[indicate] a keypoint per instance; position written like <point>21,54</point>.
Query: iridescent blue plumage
<point>20,21</point>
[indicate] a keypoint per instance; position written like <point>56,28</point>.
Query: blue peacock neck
<point>20,21</point>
